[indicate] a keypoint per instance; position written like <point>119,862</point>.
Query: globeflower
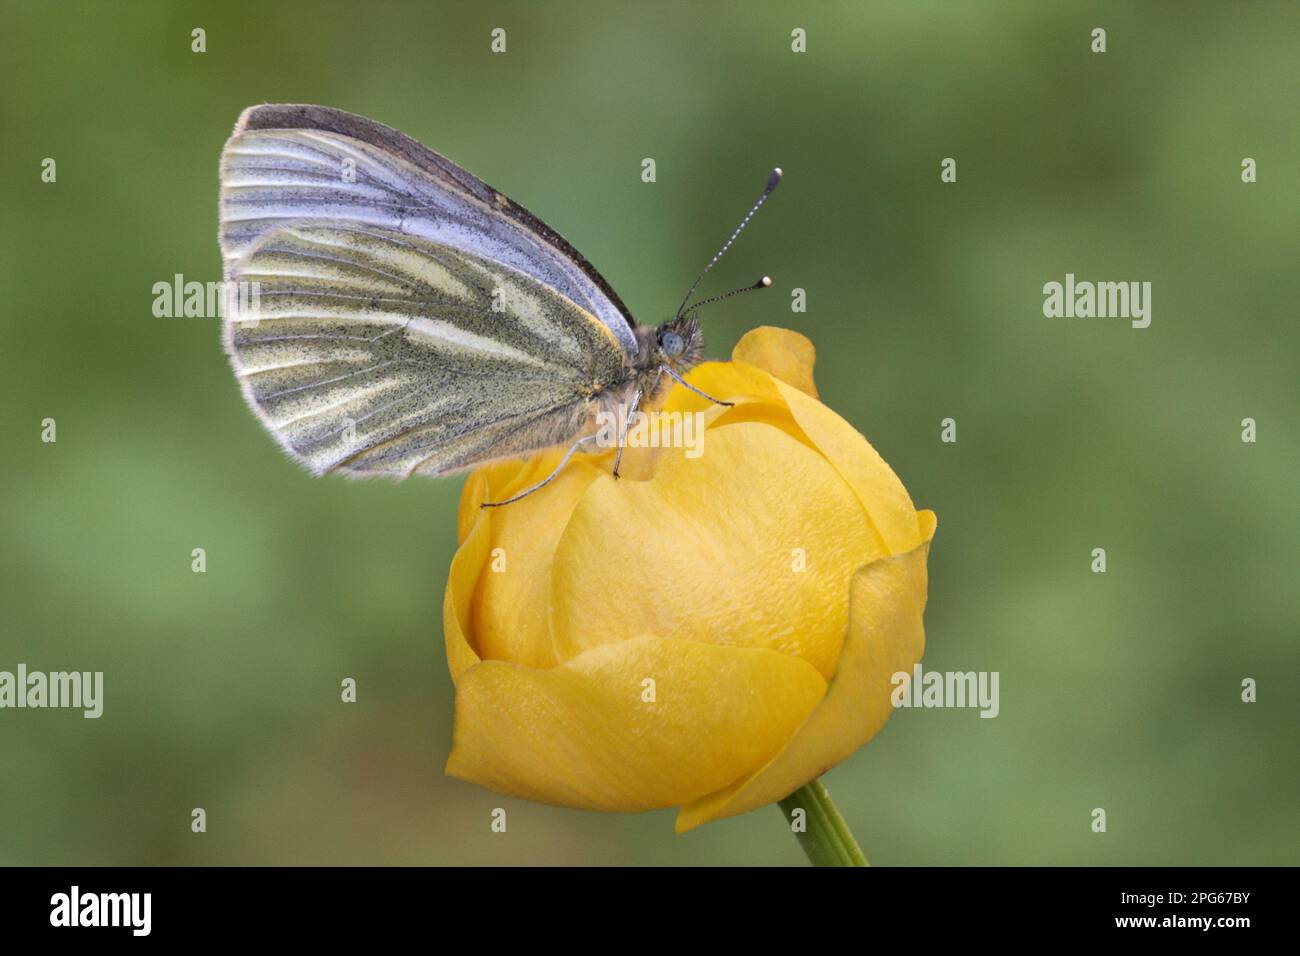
<point>712,631</point>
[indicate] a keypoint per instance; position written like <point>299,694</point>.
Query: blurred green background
<point>1119,691</point>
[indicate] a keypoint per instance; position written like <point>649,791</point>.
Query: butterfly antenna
<point>772,181</point>
<point>762,283</point>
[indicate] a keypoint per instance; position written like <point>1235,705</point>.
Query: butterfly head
<point>679,343</point>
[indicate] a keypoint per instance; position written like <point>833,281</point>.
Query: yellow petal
<point>462,578</point>
<point>752,544</point>
<point>787,355</point>
<point>583,735</point>
<point>471,496</point>
<point>881,493</point>
<point>729,381</point>
<point>878,488</point>
<point>514,589</point>
<point>885,636</point>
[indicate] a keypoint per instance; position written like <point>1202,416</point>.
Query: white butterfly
<point>411,319</point>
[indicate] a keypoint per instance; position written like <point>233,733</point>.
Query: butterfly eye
<point>672,344</point>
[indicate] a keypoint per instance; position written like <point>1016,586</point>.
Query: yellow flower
<point>710,632</point>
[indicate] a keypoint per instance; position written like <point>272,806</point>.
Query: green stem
<point>825,837</point>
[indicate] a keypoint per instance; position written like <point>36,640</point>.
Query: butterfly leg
<point>622,434</point>
<point>681,381</point>
<point>548,479</point>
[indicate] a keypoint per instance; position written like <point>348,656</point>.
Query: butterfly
<point>406,318</point>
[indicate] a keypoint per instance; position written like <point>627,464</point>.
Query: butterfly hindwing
<point>372,352</point>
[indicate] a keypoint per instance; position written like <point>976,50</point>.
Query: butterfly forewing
<point>292,163</point>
